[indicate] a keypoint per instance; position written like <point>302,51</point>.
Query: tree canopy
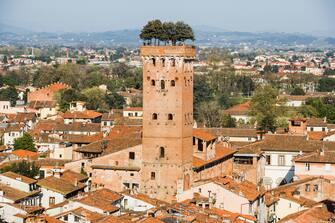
<point>25,142</point>
<point>24,168</point>
<point>156,31</point>
<point>266,108</point>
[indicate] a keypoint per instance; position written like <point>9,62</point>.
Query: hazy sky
<point>305,16</point>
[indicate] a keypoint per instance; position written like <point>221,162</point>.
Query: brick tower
<point>167,120</point>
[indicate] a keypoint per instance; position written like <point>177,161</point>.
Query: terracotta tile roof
<point>316,135</point>
<point>203,135</point>
<point>59,185</point>
<point>317,157</point>
<point>314,214</point>
<point>220,153</point>
<point>147,199</point>
<point>28,208</point>
<point>133,109</point>
<point>121,137</point>
<point>287,191</point>
<point>87,114</point>
<point>316,122</point>
<point>111,116</point>
<point>295,97</point>
<point>244,188</point>
<point>128,121</point>
<point>123,131</point>
<point>19,177</point>
<point>330,133</point>
<point>233,216</point>
<point>78,127</point>
<point>240,109</point>
<point>284,142</point>
<point>94,147</point>
<point>14,194</point>
<point>84,139</point>
<point>25,154</point>
<point>248,151</point>
<point>43,218</point>
<point>112,145</point>
<point>151,220</point>
<point>232,132</point>
<point>41,104</point>
<point>14,128</point>
<point>331,126</point>
<point>84,213</point>
<point>73,177</point>
<point>45,138</point>
<point>112,219</point>
<point>46,125</point>
<point>102,199</point>
<point>23,117</point>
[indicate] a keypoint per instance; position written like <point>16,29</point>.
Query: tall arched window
<point>162,84</point>
<point>161,152</point>
<point>154,116</point>
<point>173,62</point>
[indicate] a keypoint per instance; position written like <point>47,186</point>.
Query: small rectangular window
<point>132,155</point>
<point>307,187</point>
<point>316,188</point>
<point>281,160</point>
<point>307,166</point>
<point>153,175</point>
<point>268,159</point>
<point>51,200</point>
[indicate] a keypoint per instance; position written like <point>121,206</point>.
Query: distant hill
<point>205,35</point>
<point>4,28</point>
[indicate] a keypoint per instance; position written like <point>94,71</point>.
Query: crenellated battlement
<point>187,51</point>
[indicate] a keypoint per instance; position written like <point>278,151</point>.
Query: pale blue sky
<point>305,16</point>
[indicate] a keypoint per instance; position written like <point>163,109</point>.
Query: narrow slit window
<point>161,152</point>
<point>162,84</point>
<point>154,61</point>
<point>173,62</point>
